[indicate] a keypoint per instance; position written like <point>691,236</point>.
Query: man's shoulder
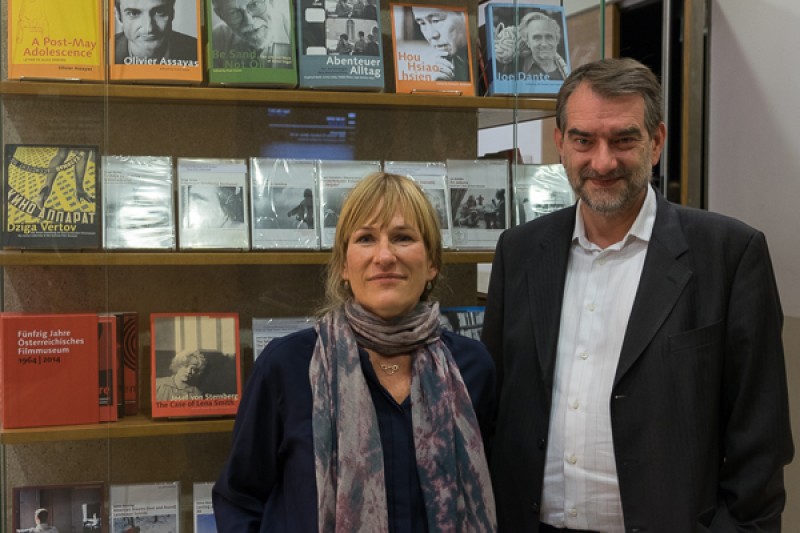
<point>696,222</point>
<point>182,44</point>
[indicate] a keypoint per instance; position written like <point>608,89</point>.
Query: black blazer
<point>699,407</point>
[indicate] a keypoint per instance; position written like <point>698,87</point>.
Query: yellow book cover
<point>155,41</point>
<point>432,51</point>
<point>55,39</point>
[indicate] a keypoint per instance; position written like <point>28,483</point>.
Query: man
<point>446,32</point>
<point>638,342</point>
<point>360,46</point>
<point>344,46</point>
<point>255,33</point>
<point>147,33</point>
<point>41,517</point>
<point>540,36</point>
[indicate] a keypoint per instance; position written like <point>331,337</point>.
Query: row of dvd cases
<point>166,203</point>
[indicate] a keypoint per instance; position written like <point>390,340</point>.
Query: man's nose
<point>604,161</point>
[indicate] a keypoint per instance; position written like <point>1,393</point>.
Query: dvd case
<point>213,204</point>
<point>204,521</point>
<point>478,192</point>
<point>64,507</point>
<point>432,176</point>
<point>538,190</point>
<point>141,507</point>
<point>283,203</point>
<point>138,203</point>
<point>266,329</point>
<point>335,180</point>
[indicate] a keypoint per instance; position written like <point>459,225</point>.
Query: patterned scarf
<point>351,489</point>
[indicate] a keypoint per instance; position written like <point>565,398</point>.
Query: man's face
<point>249,20</point>
<point>542,40</point>
<point>606,150</point>
<point>445,30</point>
<point>146,24</point>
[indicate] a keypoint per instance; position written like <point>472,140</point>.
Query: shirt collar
<point>641,229</point>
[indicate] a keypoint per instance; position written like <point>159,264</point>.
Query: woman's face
<point>187,372</point>
<point>387,267</point>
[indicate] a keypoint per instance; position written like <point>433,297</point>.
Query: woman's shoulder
<point>467,351</point>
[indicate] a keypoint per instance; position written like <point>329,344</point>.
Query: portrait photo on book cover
<point>75,507</point>
<point>212,206</point>
<point>479,208</point>
<point>155,32</point>
<point>195,357</point>
<point>529,43</point>
<point>251,34</point>
<point>283,208</point>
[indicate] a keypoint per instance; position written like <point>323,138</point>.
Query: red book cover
<point>195,364</point>
<point>49,369</point>
<point>130,361</point>
<point>108,368</point>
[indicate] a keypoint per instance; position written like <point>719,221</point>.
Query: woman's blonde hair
<point>393,193</point>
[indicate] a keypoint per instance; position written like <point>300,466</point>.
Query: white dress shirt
<point>581,489</point>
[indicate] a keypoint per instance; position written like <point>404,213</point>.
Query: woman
<point>365,423</point>
<point>186,366</point>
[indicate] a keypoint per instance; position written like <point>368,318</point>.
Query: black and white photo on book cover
<point>539,189</point>
<point>213,204</point>
<point>76,507</point>
<point>432,177</point>
<point>195,364</point>
<point>283,203</point>
<point>155,32</point>
<point>335,181</point>
<point>145,507</point>
<point>478,192</point>
<point>138,203</point>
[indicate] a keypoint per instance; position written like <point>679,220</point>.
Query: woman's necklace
<point>389,369</point>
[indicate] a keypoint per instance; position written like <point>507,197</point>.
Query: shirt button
<point>573,512</point>
<point>601,261</point>
<point>572,459</point>
<point>575,404</point>
<point>590,307</point>
<point>583,355</point>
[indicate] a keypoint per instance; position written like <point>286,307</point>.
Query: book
<point>432,176</point>
<point>466,321</point>
<point>155,41</point>
<point>50,194</point>
<point>49,369</point>
<point>478,192</point>
<point>538,190</point>
<point>257,48</point>
<point>67,507</point>
<point>432,49</point>
<point>129,321</point>
<point>213,204</point>
<point>55,40</point>
<point>204,521</point>
<point>266,329</point>
<point>283,203</point>
<point>526,48</point>
<point>108,352</point>
<point>145,507</point>
<point>138,203</point>
<point>195,364</point>
<point>340,45</point>
<point>335,180</point>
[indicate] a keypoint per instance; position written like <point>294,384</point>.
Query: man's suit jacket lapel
<point>663,279</point>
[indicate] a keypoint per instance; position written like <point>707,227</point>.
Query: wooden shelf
<point>130,426</point>
<point>54,258</point>
<point>492,110</point>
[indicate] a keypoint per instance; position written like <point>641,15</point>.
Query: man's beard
<point>610,202</point>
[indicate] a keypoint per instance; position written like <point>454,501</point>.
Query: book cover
<point>66,507</point>
<point>432,49</point>
<point>108,347</point>
<point>432,176</point>
<point>538,190</point>
<point>340,45</point>
<point>266,329</point>
<point>283,203</point>
<point>129,321</point>
<point>466,321</point>
<point>50,194</point>
<point>526,49</point>
<point>251,45</point>
<point>213,204</point>
<point>335,180</point>
<point>204,521</point>
<point>195,364</point>
<point>138,203</point>
<point>49,369</point>
<point>478,192</point>
<point>155,41</point>
<point>55,40</point>
<point>145,507</point>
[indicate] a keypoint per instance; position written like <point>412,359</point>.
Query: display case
<point>207,122</point>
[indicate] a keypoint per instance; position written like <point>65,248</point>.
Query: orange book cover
<point>108,368</point>
<point>155,41</point>
<point>195,365</point>
<point>55,40</point>
<point>49,369</point>
<point>432,49</point>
